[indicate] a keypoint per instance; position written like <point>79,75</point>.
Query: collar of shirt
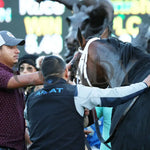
<point>3,66</point>
<point>54,80</point>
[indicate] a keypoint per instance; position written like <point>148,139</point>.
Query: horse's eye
<point>84,23</point>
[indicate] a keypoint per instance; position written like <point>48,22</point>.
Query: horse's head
<point>107,61</point>
<point>93,18</point>
<point>94,74</point>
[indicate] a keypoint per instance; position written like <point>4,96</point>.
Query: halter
<point>82,67</point>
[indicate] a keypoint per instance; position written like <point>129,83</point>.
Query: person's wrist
<point>146,84</point>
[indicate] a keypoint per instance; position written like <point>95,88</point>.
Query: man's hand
<point>147,80</point>
<point>86,132</point>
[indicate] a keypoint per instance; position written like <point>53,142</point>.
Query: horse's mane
<point>127,51</point>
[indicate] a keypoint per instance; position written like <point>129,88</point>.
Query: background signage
<point>129,14</point>
<point>44,25</point>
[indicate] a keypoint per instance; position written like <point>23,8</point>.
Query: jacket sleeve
<point>89,97</point>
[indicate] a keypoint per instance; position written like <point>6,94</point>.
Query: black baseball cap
<point>8,39</point>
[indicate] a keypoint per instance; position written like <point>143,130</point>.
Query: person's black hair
<point>53,66</point>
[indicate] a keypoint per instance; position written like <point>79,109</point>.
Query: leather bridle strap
<point>87,144</point>
<point>82,66</point>
<point>97,128</point>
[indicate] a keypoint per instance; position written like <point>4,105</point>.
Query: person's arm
<point>111,97</point>
<point>18,81</point>
<point>89,97</point>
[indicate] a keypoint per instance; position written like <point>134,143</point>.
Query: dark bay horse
<point>116,63</point>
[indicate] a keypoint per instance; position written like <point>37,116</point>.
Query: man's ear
<point>66,75</point>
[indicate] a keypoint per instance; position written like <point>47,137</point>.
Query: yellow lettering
<point>58,26</point>
<point>30,25</point>
<point>142,6</point>
<point>131,7</point>
<point>131,22</point>
<point>148,8</point>
<point>51,25</point>
<point>135,8</point>
<point>118,26</point>
<point>43,25</point>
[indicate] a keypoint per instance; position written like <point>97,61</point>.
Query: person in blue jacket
<point>56,112</point>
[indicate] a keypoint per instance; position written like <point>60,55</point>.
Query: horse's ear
<point>81,39</point>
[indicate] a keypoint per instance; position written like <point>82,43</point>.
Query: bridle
<point>82,69</point>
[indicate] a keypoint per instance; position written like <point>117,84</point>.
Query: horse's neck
<point>139,71</point>
<point>119,73</point>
